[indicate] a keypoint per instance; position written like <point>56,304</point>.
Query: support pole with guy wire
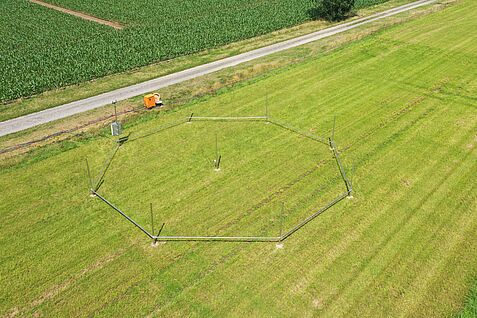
<point>281,218</point>
<point>333,148</point>
<point>332,138</point>
<point>89,175</point>
<point>266,109</point>
<point>152,218</point>
<point>217,156</point>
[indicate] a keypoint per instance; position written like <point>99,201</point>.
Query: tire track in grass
<point>333,248</point>
<point>41,276</point>
<point>186,258</point>
<point>56,290</point>
<point>203,276</point>
<point>95,288</point>
<point>268,282</point>
<point>397,257</point>
<point>248,252</point>
<point>137,242</point>
<point>353,238</point>
<point>463,226</point>
<point>427,248</point>
<point>175,260</point>
<point>436,291</point>
<point>197,282</point>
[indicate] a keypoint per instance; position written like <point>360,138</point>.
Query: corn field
<point>42,49</point>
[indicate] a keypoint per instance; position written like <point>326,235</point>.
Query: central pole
<point>281,219</point>
<point>152,218</point>
<point>89,175</point>
<point>217,156</point>
<point>216,146</point>
<point>115,112</point>
<point>333,132</point>
<point>266,107</point>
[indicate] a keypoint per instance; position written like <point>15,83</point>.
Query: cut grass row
<point>403,246</point>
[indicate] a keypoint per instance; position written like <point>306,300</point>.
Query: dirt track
<point>115,25</point>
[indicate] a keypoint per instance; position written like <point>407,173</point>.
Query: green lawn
<point>405,106</point>
<point>262,167</point>
<point>470,310</point>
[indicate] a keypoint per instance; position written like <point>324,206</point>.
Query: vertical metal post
<point>216,147</point>
<point>333,132</point>
<point>350,181</point>
<point>115,112</point>
<point>152,218</point>
<point>352,176</point>
<point>217,156</point>
<point>266,107</point>
<point>158,233</point>
<point>89,175</point>
<point>281,220</point>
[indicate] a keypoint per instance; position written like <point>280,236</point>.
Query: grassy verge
<point>404,246</point>
<point>470,309</point>
<point>64,95</point>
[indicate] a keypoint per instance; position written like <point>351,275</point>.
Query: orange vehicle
<point>152,100</point>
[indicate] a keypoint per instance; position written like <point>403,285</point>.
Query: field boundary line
<point>84,16</point>
<point>48,115</point>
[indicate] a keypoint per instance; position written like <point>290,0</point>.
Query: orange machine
<point>152,100</point>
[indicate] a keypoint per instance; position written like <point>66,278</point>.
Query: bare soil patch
<point>81,15</point>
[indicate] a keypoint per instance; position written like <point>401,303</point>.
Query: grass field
<point>273,164</point>
<point>405,105</point>
<point>42,49</point>
<point>470,309</point>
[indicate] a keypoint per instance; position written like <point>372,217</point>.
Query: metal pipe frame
<point>281,238</point>
<point>158,238</point>
<point>298,131</point>
<point>251,118</point>
<point>348,184</point>
<point>105,167</point>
